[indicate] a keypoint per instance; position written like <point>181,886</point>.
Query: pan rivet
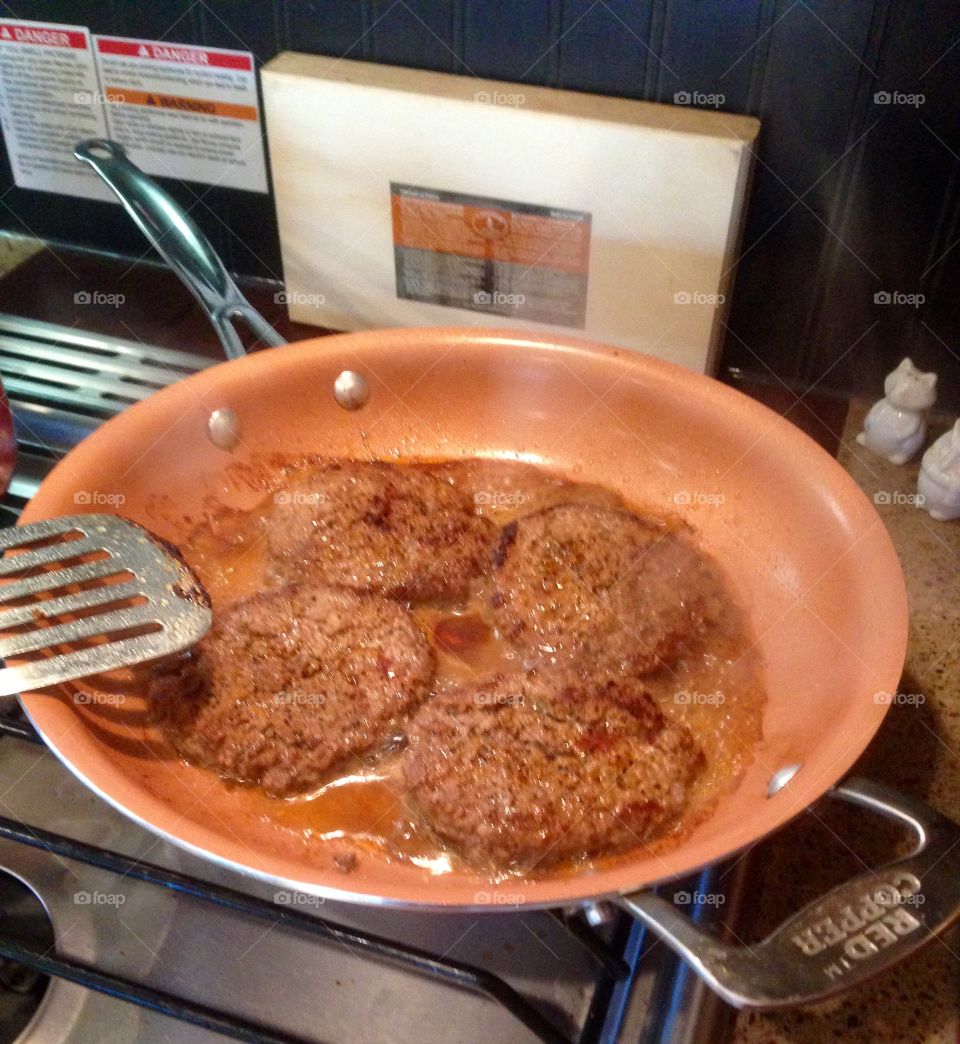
<point>351,390</point>
<point>781,778</point>
<point>224,428</point>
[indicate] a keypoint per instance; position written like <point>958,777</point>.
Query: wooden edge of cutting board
<point>678,119</point>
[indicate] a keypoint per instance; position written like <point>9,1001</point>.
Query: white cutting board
<point>411,198</point>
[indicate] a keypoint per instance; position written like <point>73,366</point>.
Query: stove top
<point>111,933</point>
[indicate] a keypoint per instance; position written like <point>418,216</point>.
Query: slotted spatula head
<point>90,593</point>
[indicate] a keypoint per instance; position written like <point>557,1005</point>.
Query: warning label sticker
<point>184,112</point>
<point>180,111</point>
<point>171,101</point>
<point>490,255</point>
<point>49,100</point>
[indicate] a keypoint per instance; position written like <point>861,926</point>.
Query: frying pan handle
<point>860,928</point>
<point>180,242</point>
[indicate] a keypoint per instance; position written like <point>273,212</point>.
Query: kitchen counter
<point>14,250</point>
<point>917,749</point>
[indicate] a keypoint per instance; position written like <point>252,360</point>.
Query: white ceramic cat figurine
<point>896,426</point>
<point>939,480</point>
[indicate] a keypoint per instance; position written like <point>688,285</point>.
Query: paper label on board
<point>183,111</point>
<point>49,100</point>
<point>520,260</point>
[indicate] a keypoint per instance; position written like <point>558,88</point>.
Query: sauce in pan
<point>717,691</point>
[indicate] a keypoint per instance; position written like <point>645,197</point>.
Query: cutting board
<point>412,198</point>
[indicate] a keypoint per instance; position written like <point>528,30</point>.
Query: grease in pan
<point>531,587</point>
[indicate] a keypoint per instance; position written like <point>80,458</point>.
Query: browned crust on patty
<point>290,683</point>
<point>600,584</point>
<point>405,532</point>
<point>530,770</point>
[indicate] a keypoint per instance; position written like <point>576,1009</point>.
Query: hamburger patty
<point>533,769</point>
<point>601,584</point>
<point>402,531</point>
<point>290,682</point>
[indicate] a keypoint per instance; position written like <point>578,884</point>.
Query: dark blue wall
<point>851,196</point>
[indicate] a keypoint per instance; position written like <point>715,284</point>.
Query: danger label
<point>49,100</point>
<point>493,256</point>
<point>184,112</point>
<point>44,36</point>
<point>162,52</point>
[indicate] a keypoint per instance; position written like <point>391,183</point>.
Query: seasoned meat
<point>600,584</point>
<point>529,770</point>
<point>402,531</point>
<point>290,683</point>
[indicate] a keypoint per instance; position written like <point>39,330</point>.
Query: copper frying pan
<point>804,550</point>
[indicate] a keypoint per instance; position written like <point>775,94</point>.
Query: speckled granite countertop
<point>14,250</point>
<point>916,750</point>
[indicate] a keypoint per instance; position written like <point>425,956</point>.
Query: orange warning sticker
<point>491,232</point>
<point>204,107</point>
<point>490,255</point>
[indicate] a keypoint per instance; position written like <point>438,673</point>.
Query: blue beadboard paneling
<point>325,27</point>
<point>707,55</point>
<point>506,40</point>
<point>424,34</point>
<point>242,26</point>
<point>604,47</point>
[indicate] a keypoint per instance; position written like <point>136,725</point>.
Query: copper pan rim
<point>790,504</point>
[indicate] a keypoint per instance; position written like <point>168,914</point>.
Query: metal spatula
<point>136,602</point>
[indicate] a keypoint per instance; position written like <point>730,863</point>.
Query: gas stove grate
<point>454,973</point>
<point>62,383</point>
<point>89,374</point>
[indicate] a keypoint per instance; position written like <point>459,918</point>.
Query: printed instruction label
<point>490,255</point>
<point>184,112</point>
<point>48,102</point>
<point>180,110</point>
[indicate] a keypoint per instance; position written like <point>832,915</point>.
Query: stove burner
<point>21,989</point>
